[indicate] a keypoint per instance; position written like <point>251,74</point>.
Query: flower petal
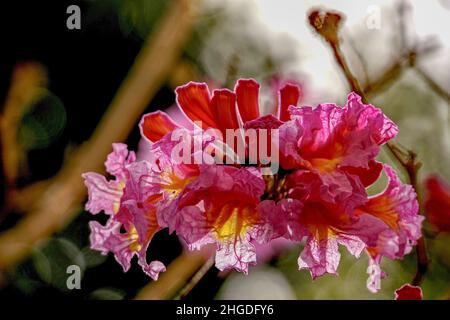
<point>320,256</point>
<point>289,96</point>
<point>156,125</point>
<point>247,95</point>
<point>118,159</point>
<point>367,176</point>
<point>109,239</point>
<point>194,100</point>
<point>437,203</point>
<point>152,269</point>
<point>375,274</point>
<point>236,254</point>
<point>398,208</point>
<point>223,104</point>
<point>102,194</point>
<point>409,292</point>
<point>382,128</point>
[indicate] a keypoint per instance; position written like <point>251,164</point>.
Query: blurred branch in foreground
<point>27,86</point>
<point>58,204</point>
<point>179,275</point>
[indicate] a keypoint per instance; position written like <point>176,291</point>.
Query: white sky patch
<point>428,18</point>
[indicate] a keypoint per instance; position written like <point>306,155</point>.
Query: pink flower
<point>398,208</point>
<point>169,178</point>
<point>336,141</point>
<point>221,207</point>
<point>385,225</point>
<point>339,145</point>
<point>105,195</point>
<point>325,222</point>
<point>409,292</point>
<point>127,203</point>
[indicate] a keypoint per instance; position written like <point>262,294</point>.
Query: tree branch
<point>177,276</point>
<point>63,197</point>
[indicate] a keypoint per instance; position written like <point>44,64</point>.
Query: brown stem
<point>422,262</point>
<point>395,70</point>
<point>433,84</point>
<point>196,278</point>
<point>176,277</point>
<point>351,79</point>
<point>28,82</point>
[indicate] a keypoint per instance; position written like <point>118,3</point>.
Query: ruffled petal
<point>221,207</point>
<point>152,269</point>
<point>398,208</point>
<point>109,239</point>
<point>320,257</point>
<point>274,219</point>
<point>289,135</point>
<point>381,127</point>
<point>236,254</point>
<point>192,227</point>
<point>353,243</point>
<point>265,122</point>
<point>375,274</point>
<point>118,159</point>
<point>103,195</point>
<point>333,137</point>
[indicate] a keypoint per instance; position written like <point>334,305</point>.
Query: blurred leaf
<point>51,261</point>
<point>92,258</point>
<point>43,123</point>
<point>107,294</point>
<point>139,16</point>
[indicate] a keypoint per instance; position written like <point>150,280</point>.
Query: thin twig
<point>396,69</point>
<point>176,277</point>
<point>196,278</point>
<point>62,200</point>
<point>362,60</point>
<point>351,79</point>
<point>27,86</point>
<point>433,84</point>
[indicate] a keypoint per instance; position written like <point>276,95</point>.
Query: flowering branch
<point>327,25</point>
<point>198,276</point>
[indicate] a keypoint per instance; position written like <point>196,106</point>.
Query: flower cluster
<point>326,161</point>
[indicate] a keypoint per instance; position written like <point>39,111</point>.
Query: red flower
<point>437,203</point>
<point>408,292</point>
